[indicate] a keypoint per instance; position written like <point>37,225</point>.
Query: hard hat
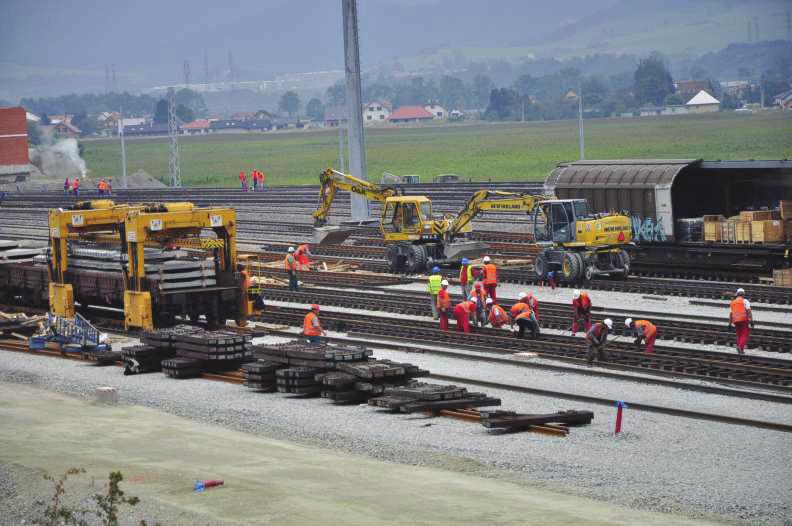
<point>315,307</point>
<point>444,283</point>
<point>521,295</point>
<point>489,301</point>
<point>576,293</point>
<point>608,322</point>
<point>487,259</point>
<point>740,291</point>
<point>291,249</point>
<point>435,269</point>
<point>627,322</point>
<point>465,261</point>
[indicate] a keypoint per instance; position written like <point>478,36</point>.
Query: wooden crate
<point>716,218</point>
<point>742,232</point>
<point>767,231</point>
<point>786,210</point>
<point>728,231</point>
<point>712,231</point>
<point>782,277</point>
<point>756,215</point>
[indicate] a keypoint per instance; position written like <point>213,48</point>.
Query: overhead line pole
<point>123,149</point>
<point>580,122</point>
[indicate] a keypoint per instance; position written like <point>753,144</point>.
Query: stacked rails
<point>10,252</point>
<point>419,396</point>
<point>188,351</point>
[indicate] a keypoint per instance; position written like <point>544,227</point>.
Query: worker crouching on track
<point>479,297</point>
<point>466,277</point>
<point>644,330</point>
<point>522,315</point>
<point>301,255</point>
<point>312,327</point>
<point>443,304</point>
<point>290,265</point>
<point>496,316</point>
<point>433,287</point>
<point>596,337</point>
<point>581,311</point>
<point>741,317</point>
<point>490,278</point>
<point>462,313</point>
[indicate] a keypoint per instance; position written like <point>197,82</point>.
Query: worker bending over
<point>643,330</point>
<point>581,311</point>
<point>462,313</point>
<point>496,316</point>
<point>490,278</point>
<point>433,287</point>
<point>290,265</point>
<point>479,297</point>
<point>312,327</point>
<point>466,277</point>
<point>522,315</point>
<point>443,304</point>
<point>301,255</point>
<point>596,337</point>
<point>534,304</point>
<point>741,317</point>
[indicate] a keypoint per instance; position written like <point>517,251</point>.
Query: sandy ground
<point>266,481</point>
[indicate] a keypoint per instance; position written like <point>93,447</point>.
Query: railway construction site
<point>387,402</point>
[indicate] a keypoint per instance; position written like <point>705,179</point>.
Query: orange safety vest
<point>290,263</point>
<point>738,311</point>
<point>648,327</point>
<point>76,183</point>
<point>519,308</point>
<point>467,306</point>
<point>464,272</point>
<point>497,316</point>
<point>102,186</point>
<point>475,294</point>
<point>443,300</point>
<point>490,274</point>
<point>246,281</point>
<point>308,325</point>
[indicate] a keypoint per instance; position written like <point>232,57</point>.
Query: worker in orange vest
<point>290,265</point>
<point>301,255</point>
<point>312,327</point>
<point>243,181</point>
<point>443,304</point>
<point>479,297</point>
<point>462,313</point>
<point>496,316</point>
<point>253,179</point>
<point>76,186</point>
<point>643,330</point>
<point>465,277</point>
<point>581,311</point>
<point>741,317</point>
<point>490,278</point>
<point>100,186</point>
<point>522,316</point>
<point>262,179</point>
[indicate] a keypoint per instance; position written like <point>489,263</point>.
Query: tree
<point>504,104</point>
<point>336,94</point>
<point>184,114</point>
<point>674,99</point>
<point>45,120</point>
<point>314,110</point>
<point>161,112</point>
<point>482,86</point>
<point>452,93</point>
<point>34,133</point>
<point>290,103</point>
<point>192,100</point>
<point>652,80</point>
<point>86,124</point>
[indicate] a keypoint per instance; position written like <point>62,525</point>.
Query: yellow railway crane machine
<point>181,224</point>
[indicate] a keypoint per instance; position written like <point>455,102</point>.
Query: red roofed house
<point>14,160</point>
<point>410,114</point>
<point>196,127</point>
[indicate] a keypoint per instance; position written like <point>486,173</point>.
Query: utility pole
<point>107,79</point>
<point>231,74</point>
<point>174,167</point>
<point>115,86</point>
<point>206,67</point>
<point>580,121</point>
<point>186,73</point>
<point>357,143</point>
<point>341,148</point>
<point>123,148</point>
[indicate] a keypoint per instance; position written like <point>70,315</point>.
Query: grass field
<point>481,151</point>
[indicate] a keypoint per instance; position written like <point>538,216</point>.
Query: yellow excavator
<point>574,242</point>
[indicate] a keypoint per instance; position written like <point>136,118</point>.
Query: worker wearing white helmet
<point>443,304</point>
<point>643,330</point>
<point>521,296</point>
<point>490,278</point>
<point>290,265</point>
<point>596,338</point>
<point>581,311</point>
<point>496,315</point>
<point>741,317</point>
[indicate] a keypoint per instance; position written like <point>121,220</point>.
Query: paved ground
<point>267,481</point>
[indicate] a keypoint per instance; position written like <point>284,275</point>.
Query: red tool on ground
<point>201,485</point>
<point>619,407</point>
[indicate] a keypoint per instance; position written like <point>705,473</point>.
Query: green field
<point>481,151</point>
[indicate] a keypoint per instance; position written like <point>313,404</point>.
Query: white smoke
<point>61,159</point>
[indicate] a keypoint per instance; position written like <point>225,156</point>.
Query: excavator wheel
<point>624,258</point>
<point>571,267</point>
<point>395,259</point>
<point>416,259</point>
<point>540,265</point>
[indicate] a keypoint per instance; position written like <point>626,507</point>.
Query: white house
<point>437,111</point>
<point>376,111</point>
<point>703,102</point>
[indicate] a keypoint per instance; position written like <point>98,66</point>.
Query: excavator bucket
<point>465,249</point>
<point>331,235</point>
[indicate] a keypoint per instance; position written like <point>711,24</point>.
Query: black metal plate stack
<point>298,380</point>
<point>216,350</point>
<point>140,359</point>
<point>260,375</point>
<point>419,396</point>
<point>182,367</point>
<point>305,355</point>
<point>103,357</point>
<point>357,382</point>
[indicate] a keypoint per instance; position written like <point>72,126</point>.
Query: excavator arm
<point>333,180</point>
<point>492,201</point>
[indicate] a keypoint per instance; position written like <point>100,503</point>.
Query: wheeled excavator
<point>574,242</point>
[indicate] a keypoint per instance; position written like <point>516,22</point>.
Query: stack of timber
<point>139,359</point>
<point>19,325</point>
<point>260,375</point>
<point>782,277</point>
<point>182,367</point>
<point>554,423</point>
<point>358,382</point>
<point>419,396</point>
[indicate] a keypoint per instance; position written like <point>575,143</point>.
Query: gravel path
<point>660,463</point>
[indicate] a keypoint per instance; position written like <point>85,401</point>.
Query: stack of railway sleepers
<point>103,357</point>
<point>217,350</point>
<point>139,359</point>
<point>419,397</point>
<point>260,375</point>
<point>182,367</point>
<point>357,382</point>
<point>559,422</point>
<point>298,380</point>
<point>306,355</point>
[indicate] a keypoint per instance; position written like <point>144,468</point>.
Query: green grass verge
<point>481,151</point>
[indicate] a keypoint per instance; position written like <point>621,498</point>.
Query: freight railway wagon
<point>26,284</point>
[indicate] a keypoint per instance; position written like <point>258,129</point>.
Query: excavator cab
<point>405,216</point>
